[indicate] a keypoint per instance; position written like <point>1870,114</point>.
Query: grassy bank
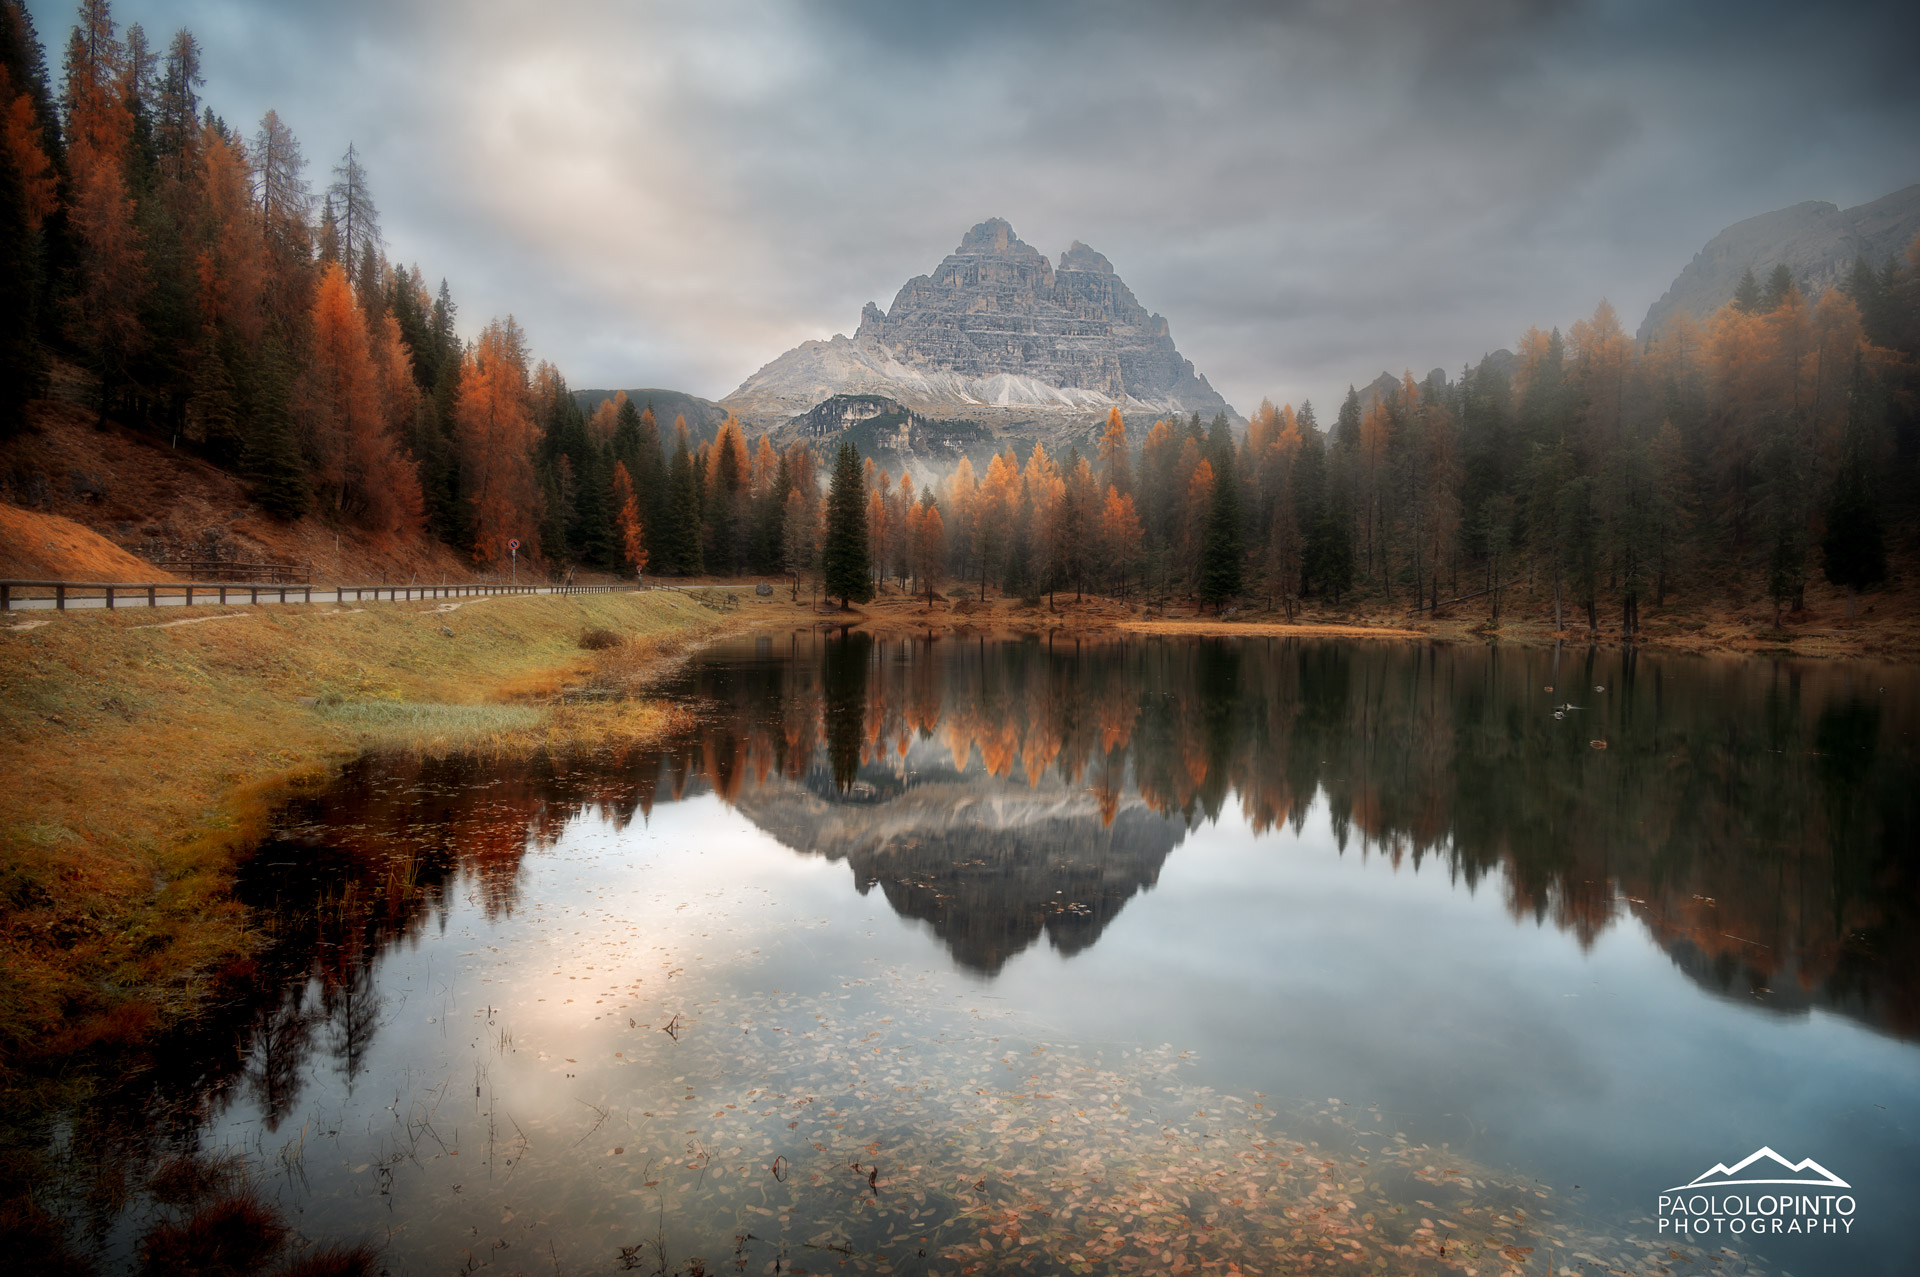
<point>142,748</point>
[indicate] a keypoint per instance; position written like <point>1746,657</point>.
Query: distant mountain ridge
<point>703,415</point>
<point>1501,361</point>
<point>1818,241</point>
<point>996,330</point>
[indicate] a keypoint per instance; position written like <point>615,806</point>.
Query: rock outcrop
<point>996,326</point>
<point>1819,243</point>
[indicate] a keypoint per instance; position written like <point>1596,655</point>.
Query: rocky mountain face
<point>1818,241</point>
<point>997,332</point>
<point>897,438</point>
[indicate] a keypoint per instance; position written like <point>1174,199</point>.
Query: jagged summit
<point>1079,257</point>
<point>996,326</point>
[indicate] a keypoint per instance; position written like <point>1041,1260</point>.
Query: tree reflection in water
<point>1757,818</point>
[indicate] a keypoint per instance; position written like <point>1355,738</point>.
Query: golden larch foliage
<point>20,140</point>
<point>627,518</point>
<point>494,425</point>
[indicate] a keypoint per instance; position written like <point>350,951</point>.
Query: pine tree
<point>436,448</point>
<point>358,223</point>
<point>1854,550</point>
<point>1222,552</point>
<point>28,198</point>
<point>280,179</point>
<point>269,455</point>
<point>651,480</point>
<point>1779,284</point>
<point>1746,294</point>
<point>844,565</point>
<point>681,533</point>
<point>594,536</point>
<point>177,122</point>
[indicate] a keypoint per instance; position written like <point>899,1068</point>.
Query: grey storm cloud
<point>674,194</point>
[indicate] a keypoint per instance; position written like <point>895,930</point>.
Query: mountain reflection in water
<point>1756,818</point>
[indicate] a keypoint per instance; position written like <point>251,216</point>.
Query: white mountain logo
<point>1808,1172</point>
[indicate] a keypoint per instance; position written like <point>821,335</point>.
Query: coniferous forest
<point>220,291</point>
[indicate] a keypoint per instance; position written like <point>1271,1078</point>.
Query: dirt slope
<point>46,547</point>
<point>142,495</point>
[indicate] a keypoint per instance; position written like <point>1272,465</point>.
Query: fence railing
<point>16,595</point>
<point>264,573</point>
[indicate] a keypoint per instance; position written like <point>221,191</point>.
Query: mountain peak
<point>994,327</point>
<point>1079,257</point>
<point>995,235</point>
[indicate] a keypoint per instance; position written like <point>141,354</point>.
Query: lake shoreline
<point>1883,630</point>
<point>144,759</point>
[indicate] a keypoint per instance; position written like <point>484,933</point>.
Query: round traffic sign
<point>513,543</point>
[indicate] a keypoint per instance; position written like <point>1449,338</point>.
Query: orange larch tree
<point>626,503</point>
<point>1116,470</point>
<point>1120,537</point>
<point>494,426</point>
<point>929,547</point>
<point>346,415</point>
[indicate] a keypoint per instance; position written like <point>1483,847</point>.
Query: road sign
<point>514,544</point>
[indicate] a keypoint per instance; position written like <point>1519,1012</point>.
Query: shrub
<point>599,640</point>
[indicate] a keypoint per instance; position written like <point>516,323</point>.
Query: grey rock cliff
<point>998,326</point>
<point>1817,241</point>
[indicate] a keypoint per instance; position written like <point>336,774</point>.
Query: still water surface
<point>1148,956</point>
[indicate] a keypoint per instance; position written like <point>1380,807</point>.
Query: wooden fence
<point>263,573</point>
<point>114,594</point>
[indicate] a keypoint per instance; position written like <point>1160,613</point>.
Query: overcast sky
<point>672,195</point>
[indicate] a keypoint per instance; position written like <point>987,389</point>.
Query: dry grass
<point>46,547</point>
<point>140,759</point>
<point>1269,629</point>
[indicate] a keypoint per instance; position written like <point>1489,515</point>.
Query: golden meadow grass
<point>141,754</point>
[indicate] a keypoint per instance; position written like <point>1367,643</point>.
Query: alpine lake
<point>1182,955</point>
